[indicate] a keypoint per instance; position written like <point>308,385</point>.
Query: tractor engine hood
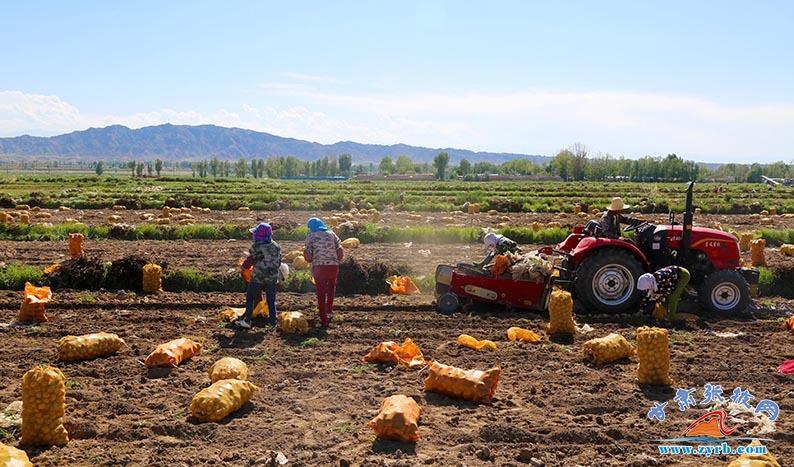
<point>698,233</point>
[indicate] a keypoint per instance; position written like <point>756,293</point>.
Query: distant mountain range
<point>184,142</point>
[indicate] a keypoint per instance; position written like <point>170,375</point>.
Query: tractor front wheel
<point>448,303</point>
<point>606,281</point>
<point>724,291</point>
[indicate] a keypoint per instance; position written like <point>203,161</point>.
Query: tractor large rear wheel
<point>724,291</point>
<point>606,281</point>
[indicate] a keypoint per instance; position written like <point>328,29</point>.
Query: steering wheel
<point>632,228</point>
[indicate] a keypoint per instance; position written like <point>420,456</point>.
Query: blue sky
<point>709,80</point>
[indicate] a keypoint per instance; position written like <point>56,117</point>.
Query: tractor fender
<point>589,245</point>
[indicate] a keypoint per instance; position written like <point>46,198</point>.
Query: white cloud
<point>532,121</point>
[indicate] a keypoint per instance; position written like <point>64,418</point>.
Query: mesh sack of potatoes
<point>88,346</point>
<point>293,322</point>
<point>152,278</point>
<point>76,241</point>
<point>43,407</point>
<point>33,301</point>
<point>654,355</point>
<point>608,349</point>
<point>472,385</point>
<point>300,264</point>
<point>231,314</point>
<point>787,249</point>
<point>745,239</point>
<point>757,252</point>
<point>162,221</point>
<point>659,312</point>
<point>290,257</point>
<point>398,419</point>
<point>13,457</point>
<point>407,353</point>
<point>223,397</point>
<point>173,353</point>
<point>473,343</point>
<point>228,368</point>
<point>351,243</point>
<point>521,334</point>
<point>561,313</point>
<point>755,460</point>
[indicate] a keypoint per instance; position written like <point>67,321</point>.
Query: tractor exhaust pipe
<point>686,233</point>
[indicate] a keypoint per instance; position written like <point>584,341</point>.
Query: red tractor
<point>602,272</point>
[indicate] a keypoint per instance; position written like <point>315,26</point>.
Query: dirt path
<point>315,400</point>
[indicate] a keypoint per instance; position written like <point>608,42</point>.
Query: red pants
<point>325,283</point>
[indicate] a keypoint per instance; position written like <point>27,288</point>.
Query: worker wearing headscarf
<point>666,284</point>
<point>613,217</point>
<point>265,258</point>
<point>497,244</point>
<point>324,251</point>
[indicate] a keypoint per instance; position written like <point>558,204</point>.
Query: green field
<point>89,192</point>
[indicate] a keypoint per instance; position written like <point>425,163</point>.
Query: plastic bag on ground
<point>608,349</point>
<point>786,368</point>
<point>757,252</point>
<point>755,460</point>
<point>402,285</point>
<point>76,245</point>
<point>228,368</point>
<point>173,353</point>
<point>261,309</point>
<point>653,351</point>
<point>351,243</point>
<point>52,269</point>
<point>43,407</point>
<point>88,346</point>
<point>398,419</point>
<point>230,314</point>
<point>521,334</point>
<point>33,302</point>
<point>472,385</point>
<point>152,278</point>
<point>407,353</point>
<point>293,322</point>
<point>561,313</point>
<point>222,398</point>
<point>472,343</point>
<point>13,457</point>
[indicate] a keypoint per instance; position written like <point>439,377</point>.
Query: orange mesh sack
<point>173,353</point>
<point>216,402</point>
<point>76,245</point>
<point>402,285</point>
<point>43,407</point>
<point>654,354</point>
<point>744,240</point>
<point>521,334</point>
<point>561,313</point>
<point>152,278</point>
<point>608,349</point>
<point>468,341</point>
<point>13,457</point>
<point>293,322</point>
<point>472,385</point>
<point>501,264</point>
<point>89,346</point>
<point>228,368</point>
<point>757,252</point>
<point>398,419</point>
<point>261,310</point>
<point>789,324</point>
<point>33,301</point>
<point>231,314</point>
<point>408,354</point>
<point>659,312</point>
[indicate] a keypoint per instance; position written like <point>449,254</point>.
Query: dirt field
<point>315,400</point>
<point>289,219</point>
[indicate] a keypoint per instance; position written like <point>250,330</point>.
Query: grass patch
<point>775,237</point>
<point>87,299</point>
<point>71,384</point>
<point>211,349</point>
<point>14,276</point>
<point>358,369</point>
<point>312,342</point>
<point>258,358</point>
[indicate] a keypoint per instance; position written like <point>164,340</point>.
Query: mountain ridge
<point>194,142</point>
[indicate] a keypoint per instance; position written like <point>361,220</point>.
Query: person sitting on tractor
<point>497,245</point>
<point>611,220</point>
<point>665,284</point>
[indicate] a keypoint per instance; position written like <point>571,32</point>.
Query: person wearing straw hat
<point>611,220</point>
<point>265,257</point>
